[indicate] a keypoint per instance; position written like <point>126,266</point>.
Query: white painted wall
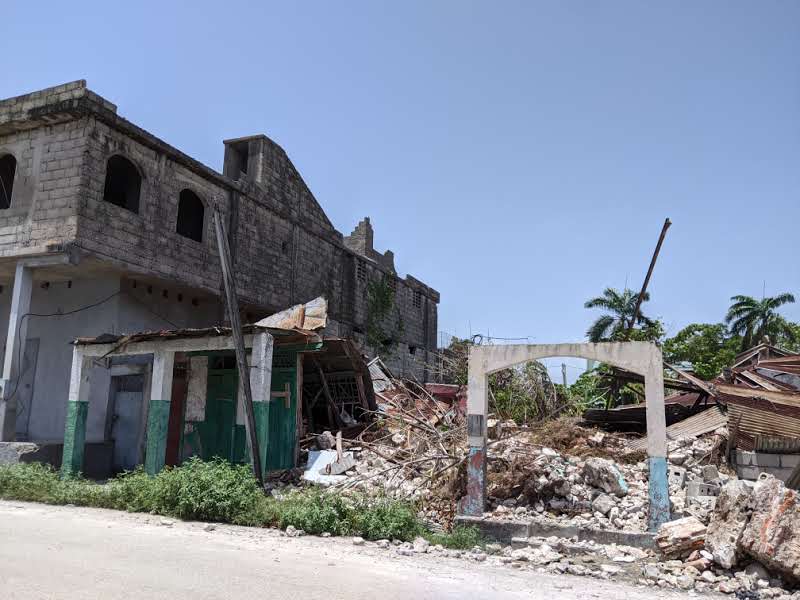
<point>121,314</point>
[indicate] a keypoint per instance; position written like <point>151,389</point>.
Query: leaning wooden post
<point>238,340</point>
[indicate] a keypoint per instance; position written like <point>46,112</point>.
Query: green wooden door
<point>282,420</point>
<point>217,431</point>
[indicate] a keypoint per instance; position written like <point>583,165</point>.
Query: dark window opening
<point>8,167</point>
<point>241,156</point>
<point>285,247</point>
<point>412,350</point>
<point>222,362</point>
<point>190,216</point>
<point>123,183</point>
<point>417,299</point>
<point>361,270</point>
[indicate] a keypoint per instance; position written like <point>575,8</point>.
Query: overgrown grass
<point>460,538</point>
<point>219,491</point>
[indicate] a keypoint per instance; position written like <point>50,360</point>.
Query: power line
<point>72,312</point>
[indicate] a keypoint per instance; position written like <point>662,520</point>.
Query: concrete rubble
<point>562,477</point>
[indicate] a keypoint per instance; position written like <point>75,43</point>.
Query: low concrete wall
<point>749,465</point>
<point>513,531</point>
<point>97,457</point>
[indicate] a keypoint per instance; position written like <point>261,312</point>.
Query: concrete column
<point>656,441</point>
<point>261,387</point>
<point>15,350</point>
<point>477,410</point>
<point>77,409</point>
<point>158,411</point>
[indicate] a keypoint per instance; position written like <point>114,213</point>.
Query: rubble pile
<point>757,521</point>
<point>538,483</point>
<point>727,535</point>
<point>416,450</point>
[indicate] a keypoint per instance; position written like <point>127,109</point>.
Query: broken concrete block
<point>676,476</point>
<point>772,536</point>
<point>678,539</point>
<point>603,474</point>
<point>339,466</point>
<point>12,453</point>
<point>325,441</point>
<point>603,504</point>
<point>710,473</point>
<point>730,516</point>
<point>698,488</point>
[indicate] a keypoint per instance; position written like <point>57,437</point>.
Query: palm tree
<point>620,305</point>
<point>753,319</point>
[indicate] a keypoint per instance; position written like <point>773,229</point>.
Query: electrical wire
<point>72,312</point>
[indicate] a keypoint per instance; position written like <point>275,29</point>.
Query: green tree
<point>790,343</point>
<point>619,307</point>
<point>707,346</point>
<point>753,319</point>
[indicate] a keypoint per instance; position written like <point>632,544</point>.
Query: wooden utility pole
<point>667,223</point>
<point>238,340</point>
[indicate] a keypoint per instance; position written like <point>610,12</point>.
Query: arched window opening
<point>123,183</point>
<point>190,216</point>
<point>8,167</point>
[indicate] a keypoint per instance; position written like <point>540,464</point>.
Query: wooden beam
<point>238,338</point>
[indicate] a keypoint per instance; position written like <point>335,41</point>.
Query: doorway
<point>127,397</point>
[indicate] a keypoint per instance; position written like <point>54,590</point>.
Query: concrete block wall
<point>749,465</point>
<point>284,247</point>
<point>46,191</point>
<point>146,242</point>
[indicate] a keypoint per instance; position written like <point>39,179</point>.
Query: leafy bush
<point>33,482</point>
<point>383,518</point>
<point>206,491</point>
<point>462,537</point>
<point>219,491</point>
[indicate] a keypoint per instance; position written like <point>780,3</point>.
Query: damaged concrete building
<point>106,229</point>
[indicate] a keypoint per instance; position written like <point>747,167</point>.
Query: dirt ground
<point>70,553</point>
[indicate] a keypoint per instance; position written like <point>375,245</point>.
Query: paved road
<point>69,553</point>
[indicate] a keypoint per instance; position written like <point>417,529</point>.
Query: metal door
<point>282,420</point>
<point>217,431</point>
<point>127,421</point>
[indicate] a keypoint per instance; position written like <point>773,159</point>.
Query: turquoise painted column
<point>77,409</point>
<point>260,385</point>
<point>656,441</point>
<point>158,411</point>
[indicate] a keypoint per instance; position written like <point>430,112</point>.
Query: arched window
<point>8,167</point>
<point>190,216</point>
<point>123,183</point>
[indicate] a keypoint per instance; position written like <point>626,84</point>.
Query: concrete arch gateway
<point>642,358</point>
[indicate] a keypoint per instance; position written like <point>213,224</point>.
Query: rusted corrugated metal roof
<point>172,334</point>
<point>776,444</point>
<point>380,375</point>
<point>301,320</point>
<point>691,427</point>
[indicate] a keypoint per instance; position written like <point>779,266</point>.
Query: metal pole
<point>238,339</point>
<point>667,223</point>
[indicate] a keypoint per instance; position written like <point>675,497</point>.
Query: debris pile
<point>728,535</point>
<point>758,521</point>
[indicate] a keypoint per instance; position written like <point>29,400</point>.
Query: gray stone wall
<point>46,188</point>
<point>284,247</point>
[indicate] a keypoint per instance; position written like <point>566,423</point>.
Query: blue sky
<point>518,156</point>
